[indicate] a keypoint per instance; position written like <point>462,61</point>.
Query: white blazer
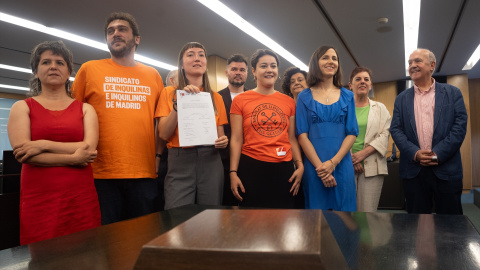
<point>376,135</point>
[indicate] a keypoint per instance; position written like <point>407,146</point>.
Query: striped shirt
<point>424,106</point>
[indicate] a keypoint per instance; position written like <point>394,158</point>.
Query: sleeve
<point>222,115</point>
<point>351,125</point>
<point>397,129</point>
<point>380,143</point>
<point>292,108</point>
<point>165,104</point>
<point>301,119</point>
<point>159,84</point>
<point>79,84</point>
<point>453,140</point>
<point>236,106</point>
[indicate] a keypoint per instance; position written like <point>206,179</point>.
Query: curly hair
<point>286,79</point>
<point>57,48</point>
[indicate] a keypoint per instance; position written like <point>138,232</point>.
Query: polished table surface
<point>246,239</point>
<point>366,240</point>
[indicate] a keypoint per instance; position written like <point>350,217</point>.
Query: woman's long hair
<point>182,78</point>
<point>315,73</point>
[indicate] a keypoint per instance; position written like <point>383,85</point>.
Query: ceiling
<point>447,27</point>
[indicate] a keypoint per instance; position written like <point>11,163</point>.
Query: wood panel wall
<point>216,72</point>
<point>474,94</point>
<point>12,96</point>
<point>461,81</point>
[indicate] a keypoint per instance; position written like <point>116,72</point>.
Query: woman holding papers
<point>195,174</point>
<point>263,141</point>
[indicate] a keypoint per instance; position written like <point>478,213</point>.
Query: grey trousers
<point>194,176</point>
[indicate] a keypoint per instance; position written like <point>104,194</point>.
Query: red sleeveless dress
<point>55,201</point>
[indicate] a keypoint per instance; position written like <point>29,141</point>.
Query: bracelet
<point>174,104</point>
<point>297,160</point>
<point>232,171</point>
<point>333,163</point>
<point>158,155</point>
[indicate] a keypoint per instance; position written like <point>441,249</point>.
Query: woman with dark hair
<point>55,137</point>
<point>263,141</point>
<point>370,147</point>
<point>195,174</point>
<point>326,129</point>
<point>294,81</point>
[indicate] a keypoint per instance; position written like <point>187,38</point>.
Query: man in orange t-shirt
<point>125,95</point>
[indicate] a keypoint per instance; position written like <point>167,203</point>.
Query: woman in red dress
<point>55,137</point>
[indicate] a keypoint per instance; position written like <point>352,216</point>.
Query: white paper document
<point>196,119</point>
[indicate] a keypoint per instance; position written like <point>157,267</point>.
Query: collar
<point>431,88</point>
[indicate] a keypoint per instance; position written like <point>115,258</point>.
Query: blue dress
<point>326,127</point>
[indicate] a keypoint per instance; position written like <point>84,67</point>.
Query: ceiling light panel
<point>76,38</point>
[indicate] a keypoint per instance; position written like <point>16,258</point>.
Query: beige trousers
<point>368,192</point>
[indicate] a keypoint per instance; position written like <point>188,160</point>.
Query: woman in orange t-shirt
<point>195,174</point>
<point>263,141</point>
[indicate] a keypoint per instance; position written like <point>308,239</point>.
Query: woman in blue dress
<point>326,127</point>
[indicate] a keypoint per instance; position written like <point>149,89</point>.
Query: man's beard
<point>236,83</point>
<point>123,51</point>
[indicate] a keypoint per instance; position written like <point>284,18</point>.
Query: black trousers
<point>426,190</point>
<point>266,183</point>
<point>122,199</point>
<point>228,198</point>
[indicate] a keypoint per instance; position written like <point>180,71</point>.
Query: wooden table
<point>366,240</point>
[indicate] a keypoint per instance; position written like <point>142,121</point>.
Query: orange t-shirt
<point>166,106</point>
<point>266,119</point>
<point>126,99</point>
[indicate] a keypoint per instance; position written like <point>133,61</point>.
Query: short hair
<point>287,76</point>
<point>262,52</point>
<point>431,57</point>
<point>57,48</point>
<point>172,74</point>
<point>238,58</point>
<point>124,17</point>
<point>315,74</point>
<point>182,79</point>
<point>357,70</point>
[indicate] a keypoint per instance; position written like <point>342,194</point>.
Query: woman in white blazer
<point>370,147</point>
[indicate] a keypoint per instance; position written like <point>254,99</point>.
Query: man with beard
<point>125,95</point>
<point>429,124</point>
<point>237,75</point>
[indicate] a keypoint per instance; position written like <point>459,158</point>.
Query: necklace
<point>325,93</point>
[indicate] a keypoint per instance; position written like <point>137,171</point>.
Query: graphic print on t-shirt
<point>126,93</point>
<point>268,120</point>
